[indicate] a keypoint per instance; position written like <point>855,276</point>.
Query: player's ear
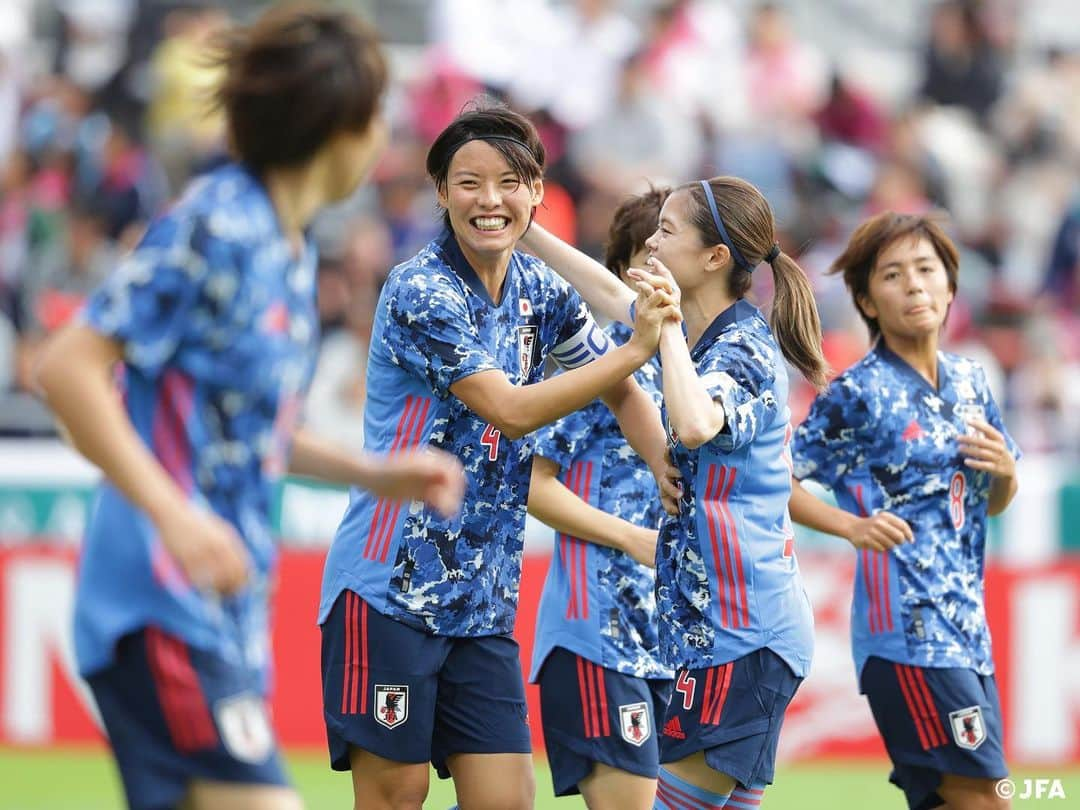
<point>536,189</point>
<point>442,197</point>
<point>866,306</point>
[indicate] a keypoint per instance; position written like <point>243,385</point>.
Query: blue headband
<point>735,254</point>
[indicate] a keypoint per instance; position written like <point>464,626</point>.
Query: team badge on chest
<point>391,704</point>
<point>968,728</point>
<point>634,723</point>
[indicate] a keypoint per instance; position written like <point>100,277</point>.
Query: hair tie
<point>719,223</point>
<point>770,257</point>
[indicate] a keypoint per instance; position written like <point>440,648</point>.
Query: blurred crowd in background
<point>104,114</point>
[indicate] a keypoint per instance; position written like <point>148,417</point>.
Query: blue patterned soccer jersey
<point>597,601</point>
<point>728,582</point>
<point>216,316</point>
<point>881,438</point>
<point>435,325</point>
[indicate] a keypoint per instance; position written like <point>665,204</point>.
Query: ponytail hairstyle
<point>732,212</point>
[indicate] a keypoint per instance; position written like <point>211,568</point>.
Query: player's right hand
<point>208,549</point>
<point>881,531</point>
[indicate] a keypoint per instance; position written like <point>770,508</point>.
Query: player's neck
<point>297,195</point>
<point>490,268</point>
<point>919,352</point>
<point>700,308</point>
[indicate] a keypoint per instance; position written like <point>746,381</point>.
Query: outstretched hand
<point>427,475</point>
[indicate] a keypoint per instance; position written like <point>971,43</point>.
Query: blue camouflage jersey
<point>436,324</point>
<point>597,601</point>
<point>881,438</point>
<point>728,582</point>
<point>217,320</point>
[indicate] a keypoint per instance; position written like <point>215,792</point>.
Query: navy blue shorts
<point>591,714</point>
<point>407,696</point>
<point>175,714</point>
<point>732,712</point>
<point>934,722</point>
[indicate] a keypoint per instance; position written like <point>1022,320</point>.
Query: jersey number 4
<point>956,499</point>
<point>685,687</point>
<point>490,440</point>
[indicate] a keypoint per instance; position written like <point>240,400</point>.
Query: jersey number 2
<point>490,440</point>
<point>956,499</point>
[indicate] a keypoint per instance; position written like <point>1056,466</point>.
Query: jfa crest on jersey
<point>634,723</point>
<point>217,320</point>
<point>597,601</point>
<point>727,579</point>
<point>882,438</point>
<point>968,728</point>
<point>391,704</point>
<point>435,325</point>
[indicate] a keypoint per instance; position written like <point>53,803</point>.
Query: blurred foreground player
<point>211,325</point>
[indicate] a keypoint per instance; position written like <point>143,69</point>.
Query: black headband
<point>476,136</point>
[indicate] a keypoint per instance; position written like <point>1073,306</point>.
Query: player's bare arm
<point>881,531</point>
<point>602,291</point>
<point>74,375</point>
<point>427,475</point>
<point>551,502</point>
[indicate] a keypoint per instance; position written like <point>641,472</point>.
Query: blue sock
<point>673,793</point>
<point>747,798</point>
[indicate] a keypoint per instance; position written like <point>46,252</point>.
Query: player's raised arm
<point>602,291</point>
<point>518,410</point>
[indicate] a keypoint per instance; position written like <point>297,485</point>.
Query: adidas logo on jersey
<point>913,431</point>
<point>673,728</point>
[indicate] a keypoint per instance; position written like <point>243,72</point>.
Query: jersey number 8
<point>956,499</point>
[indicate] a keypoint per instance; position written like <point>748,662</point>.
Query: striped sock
<point>747,798</point>
<point>673,793</point>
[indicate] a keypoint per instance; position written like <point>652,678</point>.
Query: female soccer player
<point>212,325</point>
<point>417,609</point>
<point>912,445</point>
<point>734,618</point>
<point>602,685</point>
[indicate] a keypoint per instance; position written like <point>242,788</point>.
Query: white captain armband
<point>589,343</point>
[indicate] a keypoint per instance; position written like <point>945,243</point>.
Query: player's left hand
<point>427,475</point>
<point>986,450</point>
<point>667,480</point>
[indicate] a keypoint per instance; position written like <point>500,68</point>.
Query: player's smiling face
<point>677,243</point>
<point>909,291</point>
<point>489,205</point>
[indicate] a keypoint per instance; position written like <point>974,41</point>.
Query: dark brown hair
<point>634,221</point>
<point>295,78</point>
<point>859,258</point>
<point>511,134</point>
<point>749,222</point>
